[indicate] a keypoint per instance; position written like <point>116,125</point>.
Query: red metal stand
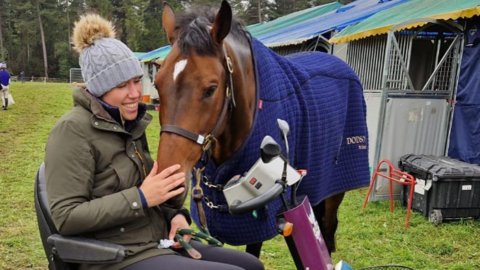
<point>397,176</point>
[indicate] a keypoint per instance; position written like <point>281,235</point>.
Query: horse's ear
<point>222,23</point>
<point>168,21</point>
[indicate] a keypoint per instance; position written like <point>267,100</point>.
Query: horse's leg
<point>254,249</point>
<point>326,215</point>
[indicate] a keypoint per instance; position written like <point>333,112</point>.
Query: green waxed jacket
<point>93,170</point>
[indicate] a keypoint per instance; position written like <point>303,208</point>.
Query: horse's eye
<point>210,91</point>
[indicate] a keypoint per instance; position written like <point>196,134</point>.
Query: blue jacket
<point>4,77</point>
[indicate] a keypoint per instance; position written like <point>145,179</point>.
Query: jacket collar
<point>117,116</point>
<point>111,114</point>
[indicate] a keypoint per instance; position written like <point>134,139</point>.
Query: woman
<point>5,81</point>
<point>101,180</point>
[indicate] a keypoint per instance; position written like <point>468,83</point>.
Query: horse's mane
<point>193,26</point>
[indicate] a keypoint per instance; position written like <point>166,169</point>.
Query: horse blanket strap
<point>209,184</point>
<point>218,207</point>
<point>197,236</point>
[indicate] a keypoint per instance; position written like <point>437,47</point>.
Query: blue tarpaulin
<point>464,138</point>
<point>335,20</point>
<point>159,53</point>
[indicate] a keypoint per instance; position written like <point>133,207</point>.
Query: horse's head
<point>193,84</point>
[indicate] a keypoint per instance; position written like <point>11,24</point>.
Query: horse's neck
<point>238,124</point>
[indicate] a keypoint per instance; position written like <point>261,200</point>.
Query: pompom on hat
<point>105,61</point>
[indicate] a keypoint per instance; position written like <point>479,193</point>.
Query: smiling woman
<point>126,97</point>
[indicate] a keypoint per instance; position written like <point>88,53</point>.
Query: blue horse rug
<point>321,98</point>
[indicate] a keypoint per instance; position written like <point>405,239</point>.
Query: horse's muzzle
<point>177,201</point>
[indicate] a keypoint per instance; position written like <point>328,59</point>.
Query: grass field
<point>372,237</point>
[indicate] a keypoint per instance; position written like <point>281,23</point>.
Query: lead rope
<point>197,236</point>
<point>197,195</point>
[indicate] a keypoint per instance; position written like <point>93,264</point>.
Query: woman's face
<point>126,97</point>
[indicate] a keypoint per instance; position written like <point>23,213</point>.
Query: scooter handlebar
<point>238,207</point>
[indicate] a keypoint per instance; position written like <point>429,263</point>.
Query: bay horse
<point>214,103</point>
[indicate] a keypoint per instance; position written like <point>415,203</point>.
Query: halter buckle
<point>229,65</point>
<point>208,142</point>
<point>228,93</point>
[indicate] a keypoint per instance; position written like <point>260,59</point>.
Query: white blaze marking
<point>179,67</point>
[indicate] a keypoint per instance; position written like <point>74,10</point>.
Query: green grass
<point>364,238</point>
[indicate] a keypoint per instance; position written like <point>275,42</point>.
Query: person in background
<point>22,76</point>
<point>101,181</point>
<point>5,81</point>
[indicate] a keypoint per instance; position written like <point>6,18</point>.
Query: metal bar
<point>401,59</point>
<point>375,60</point>
<point>432,92</point>
<point>416,95</point>
<point>404,66</point>
<point>393,66</point>
<point>409,41</point>
<point>382,50</point>
<point>438,67</point>
<point>401,72</point>
<point>350,56</point>
<point>330,49</point>
<point>316,43</point>
<point>383,106</point>
<point>367,63</point>
<point>454,95</point>
<point>453,64</point>
<point>438,44</point>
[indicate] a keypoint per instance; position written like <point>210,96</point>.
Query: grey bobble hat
<point>105,61</point>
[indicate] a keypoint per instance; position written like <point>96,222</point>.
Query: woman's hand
<point>159,188</point>
<point>179,221</point>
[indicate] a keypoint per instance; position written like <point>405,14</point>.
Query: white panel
<point>340,50</point>
<point>412,126</point>
<point>373,101</point>
<point>145,80</point>
<point>153,90</point>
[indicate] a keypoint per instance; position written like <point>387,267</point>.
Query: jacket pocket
<point>134,232</point>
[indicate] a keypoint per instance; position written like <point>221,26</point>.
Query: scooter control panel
<point>258,180</point>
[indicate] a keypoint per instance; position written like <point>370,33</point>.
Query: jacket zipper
<point>150,217</point>
<point>141,159</point>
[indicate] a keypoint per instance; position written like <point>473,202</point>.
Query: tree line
<point>35,34</point>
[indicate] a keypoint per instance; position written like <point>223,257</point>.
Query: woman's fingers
<point>175,184</point>
<point>174,193</point>
<point>168,171</point>
<point>154,169</point>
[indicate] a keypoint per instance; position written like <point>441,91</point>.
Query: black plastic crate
<point>447,189</point>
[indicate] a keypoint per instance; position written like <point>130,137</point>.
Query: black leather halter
<point>206,141</point>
